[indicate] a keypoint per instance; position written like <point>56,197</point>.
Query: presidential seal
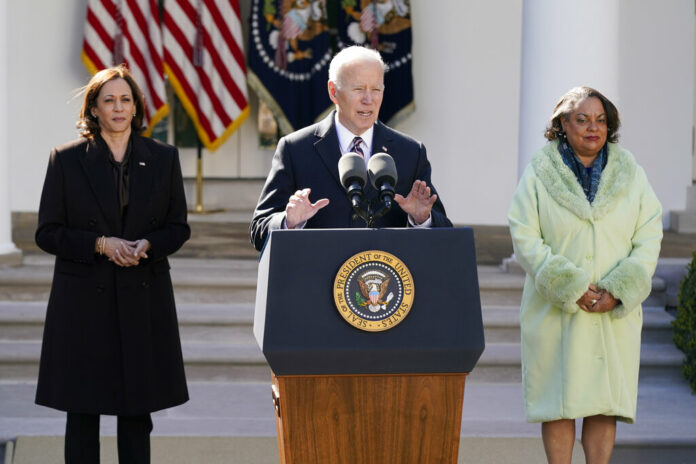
<point>373,291</point>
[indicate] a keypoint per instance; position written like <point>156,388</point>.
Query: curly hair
<point>88,125</point>
<point>569,102</point>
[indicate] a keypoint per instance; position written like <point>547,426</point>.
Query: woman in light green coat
<point>586,227</point>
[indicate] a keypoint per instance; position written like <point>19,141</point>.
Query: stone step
<point>502,324</point>
<point>208,361</point>
<point>242,361</point>
<point>500,288</point>
<point>218,343</point>
<point>660,363</point>
<point>234,280</point>
<point>195,280</point>
<point>216,322</point>
<point>233,322</point>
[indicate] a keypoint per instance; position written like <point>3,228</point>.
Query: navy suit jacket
<point>309,158</point>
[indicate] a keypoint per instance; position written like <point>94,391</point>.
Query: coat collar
<point>95,162</point>
<point>141,173</point>
<point>327,145</point>
<point>561,183</point>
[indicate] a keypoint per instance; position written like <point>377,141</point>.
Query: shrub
<point>685,324</point>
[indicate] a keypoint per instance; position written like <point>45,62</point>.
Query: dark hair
<point>88,125</point>
<point>569,102</point>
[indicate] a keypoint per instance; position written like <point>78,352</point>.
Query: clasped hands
<point>597,301</point>
<point>124,253</point>
<point>416,204</point>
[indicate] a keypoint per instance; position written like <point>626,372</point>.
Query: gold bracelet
<point>100,244</point>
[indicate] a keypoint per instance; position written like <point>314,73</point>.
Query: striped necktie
<point>355,146</point>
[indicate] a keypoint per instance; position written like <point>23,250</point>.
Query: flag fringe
<point>211,145</point>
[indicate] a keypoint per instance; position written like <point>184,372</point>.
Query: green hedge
<point>685,324</point>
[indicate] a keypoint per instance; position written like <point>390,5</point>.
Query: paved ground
<point>243,450</point>
<point>665,413</point>
<point>223,414</point>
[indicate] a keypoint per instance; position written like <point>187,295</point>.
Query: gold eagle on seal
<point>373,290</point>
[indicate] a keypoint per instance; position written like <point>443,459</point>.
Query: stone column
<point>9,253</point>
<point>564,45</point>
<point>684,222</point>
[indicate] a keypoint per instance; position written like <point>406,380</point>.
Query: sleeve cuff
<point>562,283</point>
<point>427,223</point>
<point>628,282</point>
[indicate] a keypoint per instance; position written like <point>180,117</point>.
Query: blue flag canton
<point>384,25</point>
<point>289,54</point>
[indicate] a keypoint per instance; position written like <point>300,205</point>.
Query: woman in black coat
<point>112,210</point>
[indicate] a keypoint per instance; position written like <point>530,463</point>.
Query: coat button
<point>153,221</point>
<point>100,289</point>
<point>146,284</point>
<point>92,222</point>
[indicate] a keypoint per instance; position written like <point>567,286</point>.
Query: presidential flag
<point>384,25</point>
<point>204,60</point>
<point>128,31</point>
<point>289,55</point>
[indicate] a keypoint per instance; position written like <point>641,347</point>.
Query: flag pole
<point>199,183</point>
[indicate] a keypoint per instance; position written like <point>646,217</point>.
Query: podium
<point>346,395</point>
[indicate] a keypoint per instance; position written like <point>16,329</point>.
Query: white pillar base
<point>684,222</point>
<point>10,255</point>
<point>511,265</point>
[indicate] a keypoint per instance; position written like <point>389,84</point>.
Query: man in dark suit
<point>306,161</point>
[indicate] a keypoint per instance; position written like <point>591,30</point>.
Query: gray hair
<point>350,55</point>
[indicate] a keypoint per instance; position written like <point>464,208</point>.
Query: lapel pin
<point>141,163</point>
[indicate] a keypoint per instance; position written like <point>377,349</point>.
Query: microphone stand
<point>368,214</point>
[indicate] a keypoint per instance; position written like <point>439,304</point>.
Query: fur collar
<point>561,183</point>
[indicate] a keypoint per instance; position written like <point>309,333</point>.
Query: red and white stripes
<point>128,31</point>
<point>204,59</point>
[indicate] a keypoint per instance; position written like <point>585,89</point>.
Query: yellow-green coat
<point>575,363</point>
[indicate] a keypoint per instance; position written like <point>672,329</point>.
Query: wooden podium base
<point>354,419</point>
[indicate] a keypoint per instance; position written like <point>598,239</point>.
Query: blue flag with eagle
<point>384,25</point>
<point>288,59</point>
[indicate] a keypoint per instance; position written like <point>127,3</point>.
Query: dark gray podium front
<point>338,389</point>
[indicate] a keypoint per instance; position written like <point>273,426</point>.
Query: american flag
<point>204,60</point>
<point>128,31</point>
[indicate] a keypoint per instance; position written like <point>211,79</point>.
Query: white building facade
<point>487,75</point>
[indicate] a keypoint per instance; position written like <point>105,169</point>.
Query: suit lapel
<point>381,140</point>
<point>330,152</point>
<point>140,182</point>
<point>95,162</point>
<point>327,145</point>
<point>380,144</point>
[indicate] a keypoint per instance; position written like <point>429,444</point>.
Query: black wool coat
<point>111,339</point>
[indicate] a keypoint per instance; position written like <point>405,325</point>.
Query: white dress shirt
<point>345,139</point>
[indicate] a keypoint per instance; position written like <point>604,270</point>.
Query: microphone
<point>382,171</point>
<point>351,170</point>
